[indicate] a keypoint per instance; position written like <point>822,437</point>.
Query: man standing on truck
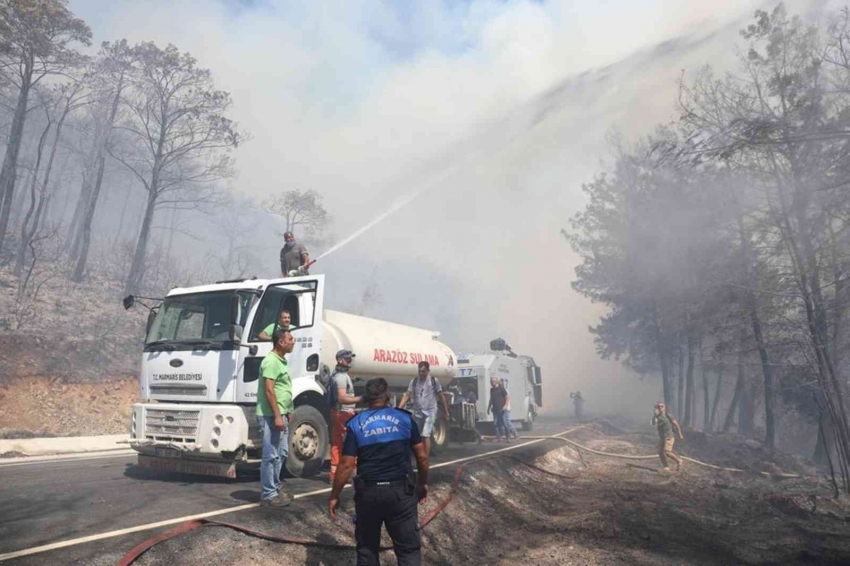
<point>424,390</point>
<point>274,405</point>
<point>343,406</point>
<point>386,492</point>
<point>667,425</point>
<point>284,321</point>
<point>292,255</point>
<point>498,402</point>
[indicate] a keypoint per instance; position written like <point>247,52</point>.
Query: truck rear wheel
<point>528,423</point>
<point>439,435</point>
<point>308,442</point>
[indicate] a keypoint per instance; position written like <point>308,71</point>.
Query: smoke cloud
<point>507,103</point>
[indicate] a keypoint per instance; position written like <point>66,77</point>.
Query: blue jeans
<point>510,429</point>
<point>275,451</point>
<point>499,423</point>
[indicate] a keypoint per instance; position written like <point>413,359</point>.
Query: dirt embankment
<point>610,512</point>
<point>39,406</point>
<point>69,331</point>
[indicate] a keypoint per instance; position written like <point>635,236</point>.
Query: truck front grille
<point>171,425</point>
<point>179,390</point>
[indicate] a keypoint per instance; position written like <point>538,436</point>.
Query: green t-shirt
<point>274,367</point>
<point>270,328</point>
<point>664,422</point>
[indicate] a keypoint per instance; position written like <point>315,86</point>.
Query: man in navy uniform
<point>380,440</point>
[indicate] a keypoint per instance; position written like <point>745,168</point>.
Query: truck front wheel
<point>308,442</point>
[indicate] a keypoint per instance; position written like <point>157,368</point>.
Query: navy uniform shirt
<point>381,439</point>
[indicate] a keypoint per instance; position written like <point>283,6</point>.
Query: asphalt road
<point>49,502</point>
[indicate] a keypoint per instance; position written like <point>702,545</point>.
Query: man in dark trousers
<point>292,256</point>
<point>380,440</point>
<point>498,402</point>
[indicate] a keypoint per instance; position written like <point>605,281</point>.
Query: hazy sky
<point>366,101</point>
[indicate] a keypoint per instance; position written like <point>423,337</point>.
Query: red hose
<point>196,523</point>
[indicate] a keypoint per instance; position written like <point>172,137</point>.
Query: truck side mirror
<point>235,334</point>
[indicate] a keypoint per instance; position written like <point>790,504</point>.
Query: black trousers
<point>388,505</point>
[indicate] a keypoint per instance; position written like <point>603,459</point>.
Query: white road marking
<point>158,524</point>
<point>29,460</point>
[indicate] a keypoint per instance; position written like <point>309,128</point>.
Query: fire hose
<point>580,448</point>
<point>192,525</point>
<point>188,526</point>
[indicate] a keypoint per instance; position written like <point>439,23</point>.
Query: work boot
<point>278,500</point>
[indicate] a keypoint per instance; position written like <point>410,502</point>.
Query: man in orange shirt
<point>343,408</point>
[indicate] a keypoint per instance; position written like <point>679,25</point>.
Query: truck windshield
<point>198,318</point>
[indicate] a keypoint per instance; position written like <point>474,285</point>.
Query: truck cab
<point>520,376</point>
<point>200,373</point>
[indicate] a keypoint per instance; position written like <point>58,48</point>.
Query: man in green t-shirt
<point>284,322</point>
<point>667,425</point>
<point>274,406</point>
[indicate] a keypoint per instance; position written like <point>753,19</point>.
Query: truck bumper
<point>188,466</point>
<point>184,432</point>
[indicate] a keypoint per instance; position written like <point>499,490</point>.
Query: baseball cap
<point>345,355</point>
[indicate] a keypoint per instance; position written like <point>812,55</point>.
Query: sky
<point>493,112</point>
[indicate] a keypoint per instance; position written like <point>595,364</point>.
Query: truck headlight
<point>219,419</point>
<point>216,431</point>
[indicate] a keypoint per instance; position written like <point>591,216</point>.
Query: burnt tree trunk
<point>736,397</point>
<point>8,174</point>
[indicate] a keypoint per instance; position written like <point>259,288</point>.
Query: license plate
<point>198,467</point>
<point>167,453</point>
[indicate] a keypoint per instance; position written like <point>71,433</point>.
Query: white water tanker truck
<point>200,373</point>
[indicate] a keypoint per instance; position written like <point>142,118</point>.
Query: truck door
<point>302,299</point>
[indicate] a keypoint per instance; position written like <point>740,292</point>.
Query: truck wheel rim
<point>439,432</point>
<point>306,441</point>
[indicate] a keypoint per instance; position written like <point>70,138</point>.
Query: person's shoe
<point>286,497</point>
<point>278,500</point>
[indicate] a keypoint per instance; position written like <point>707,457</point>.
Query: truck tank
<point>385,349</point>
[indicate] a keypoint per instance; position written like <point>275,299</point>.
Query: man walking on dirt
<point>343,408</point>
<point>274,405</point>
<point>292,255</point>
<point>667,425</point>
<point>424,390</point>
<point>578,405</point>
